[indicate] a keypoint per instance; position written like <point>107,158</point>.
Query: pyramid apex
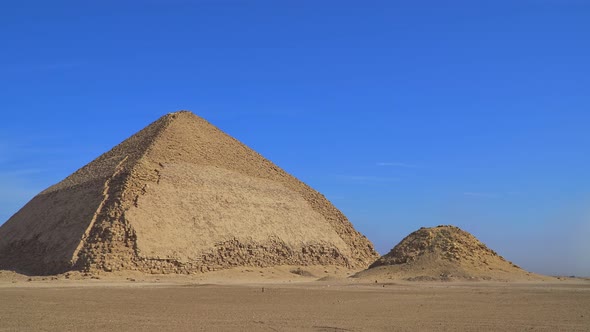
<point>182,115</point>
<point>181,112</point>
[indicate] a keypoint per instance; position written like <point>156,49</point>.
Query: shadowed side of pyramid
<point>179,197</point>
<point>45,235</point>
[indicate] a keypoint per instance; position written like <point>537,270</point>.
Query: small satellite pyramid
<point>180,196</point>
<point>443,253</point>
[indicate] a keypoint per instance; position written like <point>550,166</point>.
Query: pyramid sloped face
<point>440,253</point>
<point>447,242</point>
<point>179,197</point>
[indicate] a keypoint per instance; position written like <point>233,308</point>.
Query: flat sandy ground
<point>300,304</point>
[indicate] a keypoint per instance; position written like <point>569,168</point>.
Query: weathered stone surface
<point>443,253</point>
<point>180,196</point>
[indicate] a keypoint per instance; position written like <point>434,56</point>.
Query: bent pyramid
<point>443,253</point>
<point>180,196</point>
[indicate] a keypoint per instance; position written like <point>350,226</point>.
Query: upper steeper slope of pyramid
<point>179,196</point>
<point>125,155</point>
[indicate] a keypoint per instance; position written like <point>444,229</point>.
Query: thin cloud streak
<point>366,179</point>
<point>30,68</point>
<point>20,172</point>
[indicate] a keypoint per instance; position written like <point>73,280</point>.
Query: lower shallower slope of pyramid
<point>215,205</point>
<point>215,219</point>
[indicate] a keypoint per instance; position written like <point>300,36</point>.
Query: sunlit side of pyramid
<point>443,253</point>
<point>180,196</point>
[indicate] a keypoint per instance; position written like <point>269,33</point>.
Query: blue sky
<point>403,113</point>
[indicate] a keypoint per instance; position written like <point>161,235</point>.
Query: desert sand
<point>287,299</point>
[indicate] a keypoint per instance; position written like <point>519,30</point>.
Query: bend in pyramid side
<point>180,196</point>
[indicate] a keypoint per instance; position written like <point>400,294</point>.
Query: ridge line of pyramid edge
<point>89,171</point>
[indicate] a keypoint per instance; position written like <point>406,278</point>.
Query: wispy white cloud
<point>15,173</point>
<point>366,179</point>
<point>18,157</point>
<point>397,164</point>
